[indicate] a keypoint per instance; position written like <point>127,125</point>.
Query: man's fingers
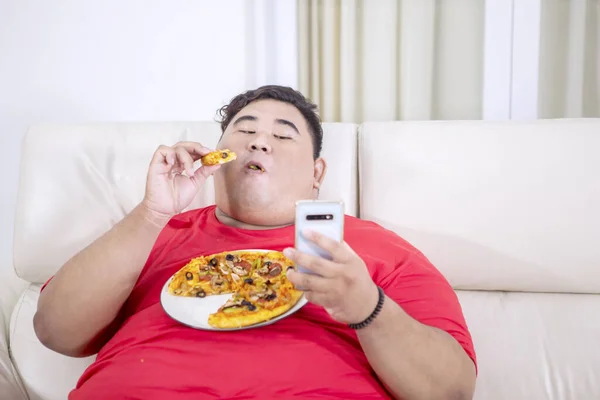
<point>195,149</point>
<point>308,282</point>
<point>185,160</point>
<point>164,156</point>
<point>206,171</point>
<point>322,299</point>
<point>317,265</point>
<point>338,251</point>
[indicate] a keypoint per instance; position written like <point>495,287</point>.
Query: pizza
<point>218,157</point>
<point>256,280</point>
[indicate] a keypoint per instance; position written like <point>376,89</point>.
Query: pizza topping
<point>235,277</point>
<point>263,270</point>
<point>249,281</point>
<point>216,281</point>
<point>275,270</point>
<point>200,293</point>
<point>224,269</point>
<point>213,262</point>
<point>189,276</point>
<point>229,257</point>
<point>251,307</point>
<point>271,296</point>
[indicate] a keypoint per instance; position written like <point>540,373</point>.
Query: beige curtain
<point>392,59</point>
<point>569,59</point>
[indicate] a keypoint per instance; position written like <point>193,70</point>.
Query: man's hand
<point>168,191</point>
<point>343,285</point>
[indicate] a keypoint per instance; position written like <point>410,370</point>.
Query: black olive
<point>270,297</point>
<point>213,262</point>
<point>229,257</point>
<point>246,303</point>
<point>249,281</point>
<point>201,293</point>
<point>268,282</point>
<point>267,263</point>
<point>251,307</point>
<point>224,154</point>
<point>189,276</point>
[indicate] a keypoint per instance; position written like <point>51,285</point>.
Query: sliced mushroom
<point>276,270</point>
<point>263,270</point>
<point>224,269</point>
<point>235,277</point>
<point>216,281</point>
<point>239,270</point>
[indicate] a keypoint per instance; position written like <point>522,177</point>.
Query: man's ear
<point>319,173</point>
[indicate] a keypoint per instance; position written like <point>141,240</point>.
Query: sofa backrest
<point>496,206</point>
<point>77,181</point>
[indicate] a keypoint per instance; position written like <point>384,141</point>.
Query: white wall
<point>113,60</point>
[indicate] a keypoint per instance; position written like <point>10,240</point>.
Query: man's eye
<point>282,137</point>
<point>249,132</point>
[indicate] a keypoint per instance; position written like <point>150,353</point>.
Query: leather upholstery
<point>505,211</point>
<point>46,375</point>
<point>495,206</point>
<point>508,211</point>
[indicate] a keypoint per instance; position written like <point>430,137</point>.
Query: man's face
<point>274,166</point>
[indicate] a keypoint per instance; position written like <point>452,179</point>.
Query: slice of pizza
<point>218,157</point>
<point>270,294</point>
<point>248,308</point>
<point>199,278</point>
<point>272,267</point>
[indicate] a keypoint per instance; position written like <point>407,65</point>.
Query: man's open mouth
<point>255,167</point>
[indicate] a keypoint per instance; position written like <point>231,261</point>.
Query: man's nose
<point>259,143</point>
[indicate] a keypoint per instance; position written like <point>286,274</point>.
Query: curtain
<point>392,59</point>
<point>569,59</point>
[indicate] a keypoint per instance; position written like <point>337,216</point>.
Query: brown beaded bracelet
<point>374,314</point>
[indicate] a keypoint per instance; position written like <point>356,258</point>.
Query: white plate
<point>194,311</point>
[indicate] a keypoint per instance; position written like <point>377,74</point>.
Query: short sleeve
<point>424,294</point>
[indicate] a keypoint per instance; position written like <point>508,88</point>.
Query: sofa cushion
<point>509,206</point>
<point>77,181</point>
<point>534,345</point>
<point>46,374</point>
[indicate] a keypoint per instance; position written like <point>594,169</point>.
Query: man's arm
<point>416,361</point>
<point>77,310</point>
<point>78,307</point>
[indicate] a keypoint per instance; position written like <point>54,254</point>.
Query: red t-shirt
<point>307,355</point>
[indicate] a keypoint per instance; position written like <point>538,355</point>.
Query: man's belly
<point>304,356</point>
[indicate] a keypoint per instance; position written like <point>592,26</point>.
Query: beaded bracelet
<point>375,312</point>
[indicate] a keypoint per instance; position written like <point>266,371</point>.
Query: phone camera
<point>319,217</point>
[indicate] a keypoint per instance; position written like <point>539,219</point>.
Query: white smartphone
<point>324,217</point>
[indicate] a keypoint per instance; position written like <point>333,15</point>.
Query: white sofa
<point>508,211</point>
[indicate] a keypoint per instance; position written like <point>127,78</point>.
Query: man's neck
<point>230,221</point>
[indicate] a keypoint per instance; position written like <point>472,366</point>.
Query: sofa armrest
<point>11,288</point>
<point>10,384</point>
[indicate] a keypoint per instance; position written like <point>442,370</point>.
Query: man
<point>105,299</point>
